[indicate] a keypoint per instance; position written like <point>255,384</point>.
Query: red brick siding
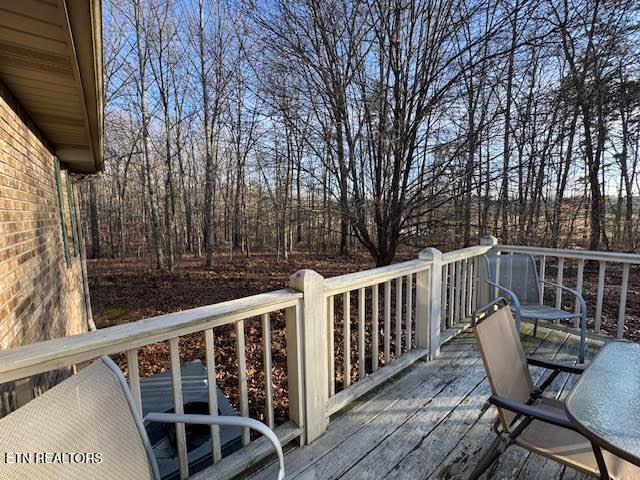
<point>40,297</point>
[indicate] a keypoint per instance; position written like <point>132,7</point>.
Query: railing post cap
<point>489,240</point>
<point>430,253</point>
<point>305,278</point>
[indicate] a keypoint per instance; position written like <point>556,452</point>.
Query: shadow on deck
<point>432,421</point>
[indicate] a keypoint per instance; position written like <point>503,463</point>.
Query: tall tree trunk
<point>94,221</point>
<point>209,214</point>
<point>506,142</point>
<point>146,140</point>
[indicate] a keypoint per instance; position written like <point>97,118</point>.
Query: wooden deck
<point>430,422</point>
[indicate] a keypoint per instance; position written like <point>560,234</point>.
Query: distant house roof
<point>51,61</point>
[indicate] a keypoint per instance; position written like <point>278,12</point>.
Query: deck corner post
<point>428,323</point>
<point>314,351</point>
<point>484,292</point>
<point>489,240</point>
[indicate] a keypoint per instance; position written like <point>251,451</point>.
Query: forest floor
<point>123,291</point>
<point>130,289</point>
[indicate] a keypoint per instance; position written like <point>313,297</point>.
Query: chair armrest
<point>583,304</point>
<point>531,411</point>
<point>511,294</point>
<point>537,362</point>
<point>223,420</point>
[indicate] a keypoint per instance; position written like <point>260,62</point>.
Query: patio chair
<point>526,417</point>
<point>516,277</point>
<point>87,427</point>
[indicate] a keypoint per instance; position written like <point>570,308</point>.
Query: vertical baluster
<point>409,310</point>
<point>475,272</point>
<point>134,378</point>
<point>452,291</point>
<point>579,281</point>
<point>209,346</point>
<point>178,406</point>
<point>482,272</point>
<point>559,280</point>
<point>443,300</point>
<point>295,366</point>
<point>331,347</point>
<point>242,378</point>
<point>599,296</point>
<point>268,394</point>
<point>510,272</point>
<point>23,391</point>
<point>457,317</point>
<point>346,337</point>
<point>374,327</point>
<point>398,316</point>
<point>543,264</point>
<point>623,300</point>
<point>361,314</point>
<point>387,322</point>
<point>469,299</point>
<point>424,299</point>
<point>463,294</point>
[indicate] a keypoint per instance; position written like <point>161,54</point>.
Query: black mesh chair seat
<point>544,312</point>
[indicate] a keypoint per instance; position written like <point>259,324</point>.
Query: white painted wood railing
<point>73,351</point>
<point>387,318</point>
<point>388,328</point>
<point>461,284</point>
<point>607,263</point>
<point>402,313</point>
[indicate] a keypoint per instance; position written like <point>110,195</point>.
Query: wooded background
<point>338,125</point>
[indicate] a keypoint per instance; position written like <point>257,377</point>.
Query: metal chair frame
<point>526,412</point>
<point>516,304</point>
<point>127,413</point>
<point>191,419</point>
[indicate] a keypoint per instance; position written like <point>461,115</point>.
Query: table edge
<point>589,434</point>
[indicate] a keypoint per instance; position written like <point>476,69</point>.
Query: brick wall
<point>40,296</point>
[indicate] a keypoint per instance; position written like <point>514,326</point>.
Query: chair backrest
<point>84,427</point>
<point>502,355</point>
<point>517,272</point>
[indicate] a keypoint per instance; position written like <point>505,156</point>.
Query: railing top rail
<point>464,253</point>
<point>366,278</point>
<point>617,257</point>
<point>44,356</point>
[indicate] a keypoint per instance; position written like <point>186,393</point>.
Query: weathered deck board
<point>423,460</point>
<point>347,453</point>
<point>432,431</point>
<point>431,422</point>
<point>571,474</point>
<point>348,424</point>
<point>463,458</point>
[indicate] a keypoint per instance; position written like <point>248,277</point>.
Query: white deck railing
<point>607,261</point>
<point>73,351</point>
<point>345,335</point>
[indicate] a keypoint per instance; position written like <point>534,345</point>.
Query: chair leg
<point>583,337</point>
<point>493,452</point>
<point>602,466</point>
<point>535,327</point>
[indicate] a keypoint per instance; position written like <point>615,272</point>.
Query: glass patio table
<point>605,401</point>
